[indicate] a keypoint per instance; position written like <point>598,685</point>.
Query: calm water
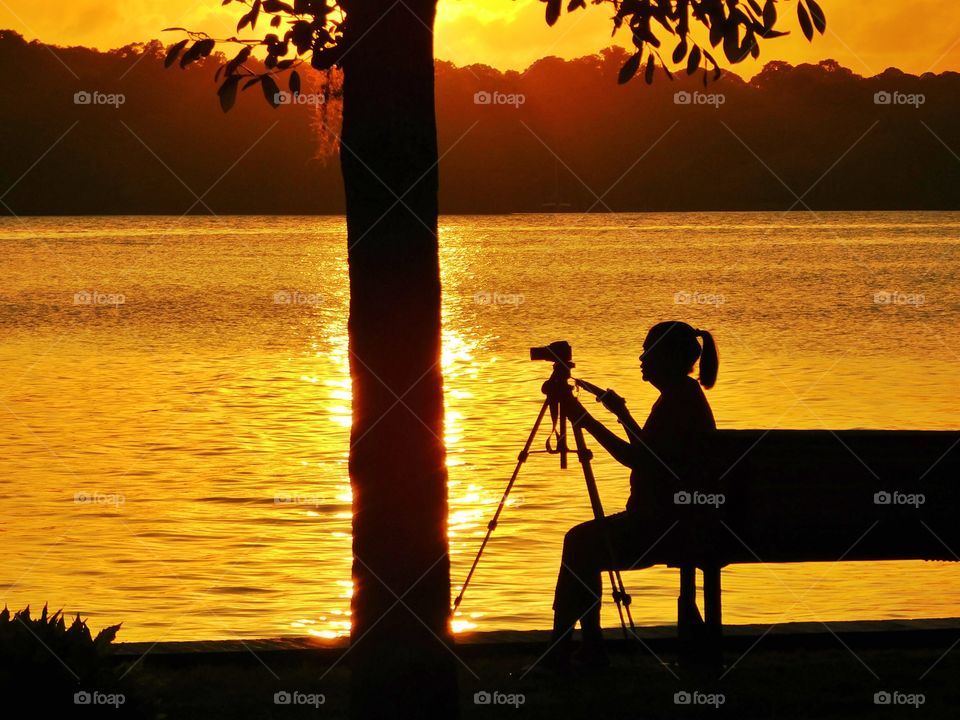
<point>179,461</point>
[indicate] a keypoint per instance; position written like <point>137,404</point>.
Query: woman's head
<point>671,349</point>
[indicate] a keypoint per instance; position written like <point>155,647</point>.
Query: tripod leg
<point>620,596</point>
<point>492,525</point>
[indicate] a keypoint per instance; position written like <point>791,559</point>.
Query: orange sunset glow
<point>460,359</point>
<point>511,34</point>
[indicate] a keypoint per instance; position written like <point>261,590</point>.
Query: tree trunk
<point>401,658</point>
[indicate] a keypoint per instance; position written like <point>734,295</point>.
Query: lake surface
<point>176,402</point>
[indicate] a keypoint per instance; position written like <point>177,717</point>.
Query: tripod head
<point>556,387</point>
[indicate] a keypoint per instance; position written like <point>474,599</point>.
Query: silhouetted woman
<point>656,455</point>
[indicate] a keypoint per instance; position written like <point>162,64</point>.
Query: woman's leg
<point>578,582</point>
<point>586,555</point>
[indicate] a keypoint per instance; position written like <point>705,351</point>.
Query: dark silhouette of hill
<point>560,135</point>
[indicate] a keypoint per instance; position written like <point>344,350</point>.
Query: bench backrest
<point>820,495</point>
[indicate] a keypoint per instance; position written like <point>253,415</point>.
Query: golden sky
<point>916,36</point>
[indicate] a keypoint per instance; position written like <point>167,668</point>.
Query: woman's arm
<point>617,447</point>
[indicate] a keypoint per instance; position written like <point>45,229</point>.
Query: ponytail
<point>709,359</point>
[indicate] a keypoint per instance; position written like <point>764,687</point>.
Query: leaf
<point>773,33</point>
<point>693,62</point>
<point>769,14</point>
<point>295,82</point>
<point>201,48</point>
<point>271,91</point>
<point>819,19</point>
<point>173,52</point>
<point>716,33</point>
<point>205,47</point>
<point>241,58</point>
<point>680,51</point>
<point>629,68</point>
<point>106,636</point>
<point>648,75</point>
<point>731,43</point>
<point>228,92</point>
<point>805,23</point>
<point>553,11</point>
<point>749,44</point>
<point>709,57</point>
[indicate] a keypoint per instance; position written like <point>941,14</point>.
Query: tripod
<point>555,389</point>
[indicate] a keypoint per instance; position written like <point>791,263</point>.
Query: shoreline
<point>921,632</point>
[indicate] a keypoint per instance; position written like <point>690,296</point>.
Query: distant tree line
<point>88,132</point>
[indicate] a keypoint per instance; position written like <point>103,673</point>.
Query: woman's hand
<point>574,410</point>
<point>579,417</point>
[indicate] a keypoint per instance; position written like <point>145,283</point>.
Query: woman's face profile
<point>648,360</point>
<point>655,365</point>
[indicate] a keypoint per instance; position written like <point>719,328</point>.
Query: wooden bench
<point>808,496</point>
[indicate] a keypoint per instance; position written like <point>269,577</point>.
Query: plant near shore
<point>45,663</point>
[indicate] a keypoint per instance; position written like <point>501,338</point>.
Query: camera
<point>557,352</point>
